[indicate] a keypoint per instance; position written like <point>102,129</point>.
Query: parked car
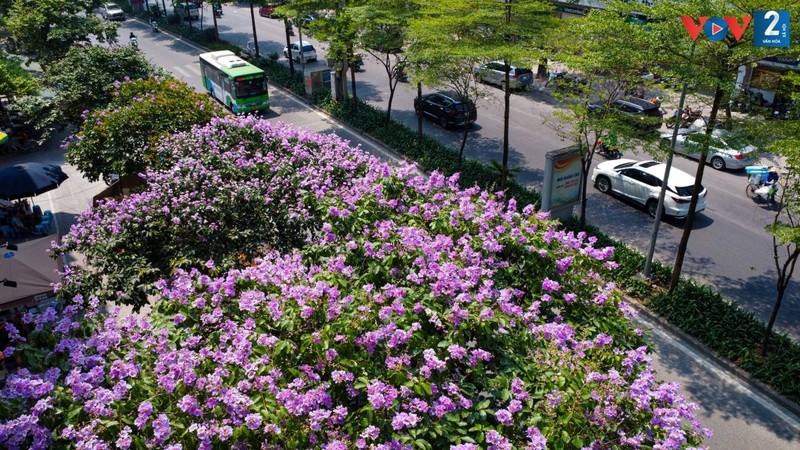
<point>642,114</point>
<point>446,109</point>
<point>726,151</point>
<point>110,11</point>
<point>268,10</point>
<point>187,10</point>
<point>640,182</point>
<point>495,73</point>
<point>308,52</point>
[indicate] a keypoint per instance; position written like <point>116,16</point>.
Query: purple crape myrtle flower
<point>302,291</point>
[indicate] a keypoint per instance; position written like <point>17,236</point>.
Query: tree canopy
<point>120,138</point>
<point>14,79</point>
<point>83,80</point>
<point>49,29</point>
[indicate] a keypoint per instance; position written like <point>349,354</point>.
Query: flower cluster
<point>412,313</point>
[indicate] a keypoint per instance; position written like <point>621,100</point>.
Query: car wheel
<point>285,55</point>
<point>603,184</point>
<point>443,121</point>
<point>652,207</point>
<point>717,163</point>
<point>479,78</point>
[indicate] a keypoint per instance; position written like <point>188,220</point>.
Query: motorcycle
<point>134,42</point>
<point>154,26</point>
<point>358,63</point>
<point>217,10</point>
<point>687,117</point>
<point>401,74</point>
<point>607,151</point>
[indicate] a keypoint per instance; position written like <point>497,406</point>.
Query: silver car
<point>110,11</point>
<point>726,151</point>
<point>495,73</point>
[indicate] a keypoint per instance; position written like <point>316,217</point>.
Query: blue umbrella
<point>29,180</point>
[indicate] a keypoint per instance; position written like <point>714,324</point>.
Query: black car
<point>641,114</point>
<point>446,109</point>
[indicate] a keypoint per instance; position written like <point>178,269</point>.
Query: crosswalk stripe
<point>181,71</point>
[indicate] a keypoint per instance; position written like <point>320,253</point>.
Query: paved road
<point>743,418</point>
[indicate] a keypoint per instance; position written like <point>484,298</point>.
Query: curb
<point>749,380</point>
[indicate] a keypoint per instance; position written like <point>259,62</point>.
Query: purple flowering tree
<point>412,315</point>
<point>235,187</point>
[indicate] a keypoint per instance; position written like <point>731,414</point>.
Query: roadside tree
<point>712,66</point>
<point>785,227</point>
<point>393,311</point>
<point>605,62</point>
<point>512,32</point>
<point>83,80</point>
<point>121,138</point>
<point>384,35</point>
<point>49,30</point>
<point>436,59</point>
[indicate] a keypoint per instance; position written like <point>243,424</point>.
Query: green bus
<point>239,85</point>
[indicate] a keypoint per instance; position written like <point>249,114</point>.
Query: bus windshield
<point>251,87</point>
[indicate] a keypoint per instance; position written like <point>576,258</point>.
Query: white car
<point>640,181</point>
<point>725,150</point>
<point>301,50</point>
<point>110,11</point>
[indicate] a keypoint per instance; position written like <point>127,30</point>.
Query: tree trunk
<point>216,28</point>
<point>463,143</point>
<point>784,276</point>
<point>288,29</point>
<point>419,116</point>
<point>255,36</point>
<point>586,163</point>
<point>506,110</point>
<point>698,180</point>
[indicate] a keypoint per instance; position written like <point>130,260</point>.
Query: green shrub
<point>173,19</point>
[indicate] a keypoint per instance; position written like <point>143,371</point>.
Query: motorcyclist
<point>134,41</point>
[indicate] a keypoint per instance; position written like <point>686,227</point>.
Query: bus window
<point>251,87</point>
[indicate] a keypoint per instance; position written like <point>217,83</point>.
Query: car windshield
<point>308,48</point>
<point>519,71</point>
<point>251,87</point>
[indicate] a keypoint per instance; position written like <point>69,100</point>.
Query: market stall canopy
<point>29,180</point>
<point>31,269</point>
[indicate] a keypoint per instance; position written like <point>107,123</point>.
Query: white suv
<point>308,52</point>
<point>640,181</point>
